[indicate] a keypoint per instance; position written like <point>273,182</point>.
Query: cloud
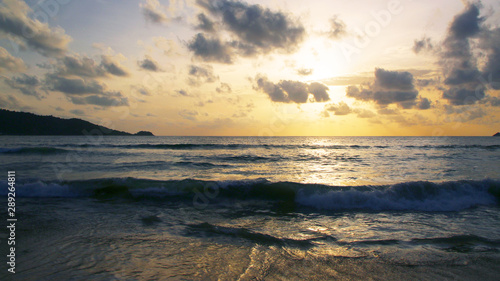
<point>83,66</point>
<point>389,87</point>
<point>115,99</point>
<point>288,91</point>
<point>364,113</point>
<point>388,111</point>
<point>424,103</point>
<point>393,80</point>
<point>12,103</point>
<point>210,49</point>
<point>422,44</point>
<point>169,47</point>
<point>188,114</point>
<point>182,93</point>
<point>149,64</point>
<point>460,66</point>
<point>490,41</point>
<point>112,66</point>
<point>304,71</point>
<point>31,33</point>
<point>295,91</point>
<point>26,84</point>
<point>77,112</point>
<point>153,11</point>
<point>10,63</point>
<point>319,91</point>
<point>201,74</point>
<point>205,24</point>
<point>72,86</point>
<point>253,30</point>
<point>464,113</point>
<point>79,66</point>
<point>338,28</point>
<point>84,91</point>
<point>223,89</point>
<point>256,25</point>
<point>339,109</point>
<point>463,96</point>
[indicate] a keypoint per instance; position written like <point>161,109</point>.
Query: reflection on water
<point>326,160</point>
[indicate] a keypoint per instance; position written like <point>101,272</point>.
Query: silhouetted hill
<point>143,133</point>
<point>497,134</point>
<point>23,123</point>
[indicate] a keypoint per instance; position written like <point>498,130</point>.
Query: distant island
<point>497,134</point>
<point>24,123</point>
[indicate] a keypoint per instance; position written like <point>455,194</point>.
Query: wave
<point>407,196</point>
<point>32,150</point>
<point>208,146</point>
<point>249,235</point>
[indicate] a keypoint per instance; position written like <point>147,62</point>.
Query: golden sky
<point>264,68</point>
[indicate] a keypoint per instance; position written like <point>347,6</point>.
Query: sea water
<point>229,208</point>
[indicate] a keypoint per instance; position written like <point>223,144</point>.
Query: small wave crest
<point>32,150</point>
<point>419,196</point>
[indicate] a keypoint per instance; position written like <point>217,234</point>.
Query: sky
<point>256,68</point>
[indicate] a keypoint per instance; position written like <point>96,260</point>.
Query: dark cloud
<point>29,32</point>
<point>210,49</point>
<point>393,80</point>
<point>422,44</point>
<point>205,23</point>
<point>254,30</point>
<point>466,24</point>
<point>291,91</point>
<point>149,64</point>
<point>10,63</point>
<point>490,41</point>
<point>82,91</point>
<point>26,84</point>
<point>319,91</point>
<point>463,96</point>
<point>425,82</point>
<point>153,11</point>
<point>115,99</point>
<point>82,66</point>
<point>457,58</point>
<point>11,102</point>
<point>296,91</point>
<point>304,71</point>
<point>389,87</point>
<point>72,86</point>
<point>256,25</point>
<point>201,74</point>
<point>339,109</point>
<point>77,112</point>
<point>338,28</point>
<point>112,66</point>
<point>424,103</point>
<point>182,93</point>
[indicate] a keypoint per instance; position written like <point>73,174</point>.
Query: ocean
<point>252,208</point>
